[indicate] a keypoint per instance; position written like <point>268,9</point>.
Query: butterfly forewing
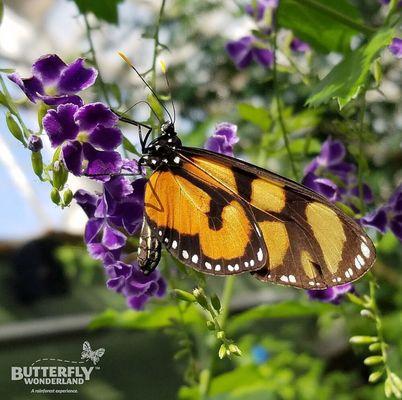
<point>310,242</point>
<point>203,224</point>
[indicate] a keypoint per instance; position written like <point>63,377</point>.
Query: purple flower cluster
<point>87,137</point>
<point>330,175</point>
<point>396,47</point>
<point>387,216</point>
<point>250,48</point>
<point>223,139</point>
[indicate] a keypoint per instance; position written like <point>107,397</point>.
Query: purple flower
<point>330,175</point>
<point>299,46</point>
<point>385,2</point>
<point>112,216</point>
<point>54,82</point>
<point>223,139</point>
<point>396,47</point>
<point>35,143</point>
<point>332,295</point>
<point>86,133</point>
<point>388,216</point>
<point>137,287</point>
<point>257,9</point>
<point>248,48</point>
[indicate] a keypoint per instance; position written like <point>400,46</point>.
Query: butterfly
<point>223,216</point>
<point>89,354</point>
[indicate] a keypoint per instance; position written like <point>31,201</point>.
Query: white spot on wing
<point>194,258</point>
<point>365,250</point>
<point>208,265</point>
<point>185,254</point>
<point>260,255</point>
<point>174,244</point>
<point>292,279</point>
<point>284,278</point>
<point>361,260</point>
<point>217,267</point>
<point>236,267</point>
<point>252,263</point>
<point>230,268</point>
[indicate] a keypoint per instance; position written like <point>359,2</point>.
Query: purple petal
<point>137,302</point>
<point>299,46</point>
<point>93,229</point>
<point>30,86</point>
<point>60,125</point>
<point>332,152</point>
<point>311,167</point>
<point>48,68</point>
<point>63,99</point>
<point>162,286</point>
<point>116,284</point>
<point>240,51</point>
<point>327,295</point>
<point>396,47</point>
<point>131,166</point>
<point>86,201</point>
<point>218,144</point>
<point>322,186</point>
<point>102,164</point>
<point>35,143</point>
<point>119,187</point>
<point>264,57</point>
<point>93,114</point>
<point>377,219</point>
<point>76,77</point>
<point>72,156</point>
<point>105,138</point>
<point>395,201</point>
<point>396,226</point>
<point>228,130</point>
<point>367,193</point>
<point>112,238</point>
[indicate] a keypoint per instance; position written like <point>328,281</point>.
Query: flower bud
<point>375,347</point>
<point>37,163</point>
<point>200,297</point>
<point>60,175</point>
<point>211,325</point>
<point>55,195</point>
<point>222,351</point>
<point>67,197</point>
<point>220,335</point>
<point>35,143</point>
<point>363,339</point>
<point>375,376</point>
<point>373,360</point>
<point>234,349</point>
<point>185,296</point>
<point>14,128</point>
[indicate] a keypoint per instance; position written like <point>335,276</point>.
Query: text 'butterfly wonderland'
<point>223,216</point>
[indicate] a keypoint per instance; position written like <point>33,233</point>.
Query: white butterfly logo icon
<point>89,354</point>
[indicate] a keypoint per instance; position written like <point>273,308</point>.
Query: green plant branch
<point>279,108</point>
<point>343,19</point>
<point>205,382</point>
<point>102,84</point>
<point>360,156</point>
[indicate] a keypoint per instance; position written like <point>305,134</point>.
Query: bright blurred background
<point>51,289</point>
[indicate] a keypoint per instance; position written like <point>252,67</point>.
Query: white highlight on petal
<point>260,255</point>
<point>194,258</point>
<point>292,279</point>
<point>174,244</point>
<point>208,265</point>
<point>365,250</point>
<point>217,267</point>
<point>185,254</point>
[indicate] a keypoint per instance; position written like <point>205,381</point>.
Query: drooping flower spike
<point>54,82</point>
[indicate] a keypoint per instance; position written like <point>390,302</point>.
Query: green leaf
<point>323,32</point>
<point>159,317</point>
<point>347,78</point>
<point>105,10</point>
<point>289,309</point>
<point>258,116</point>
<point>129,146</point>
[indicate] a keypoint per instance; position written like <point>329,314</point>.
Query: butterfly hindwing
<point>201,223</point>
<point>310,242</point>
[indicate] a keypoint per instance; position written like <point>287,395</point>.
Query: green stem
<point>279,108</point>
<point>95,61</point>
<point>336,15</point>
<point>393,6</point>
<point>360,158</point>
<point>226,299</point>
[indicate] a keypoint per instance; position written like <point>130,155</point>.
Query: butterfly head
<point>162,151</point>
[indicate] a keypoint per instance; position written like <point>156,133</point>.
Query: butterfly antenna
<point>164,70</point>
<point>145,102</point>
<point>127,60</point>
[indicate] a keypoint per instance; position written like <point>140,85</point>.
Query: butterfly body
<point>224,216</point>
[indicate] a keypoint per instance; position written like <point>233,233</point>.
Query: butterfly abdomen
<point>149,249</point>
